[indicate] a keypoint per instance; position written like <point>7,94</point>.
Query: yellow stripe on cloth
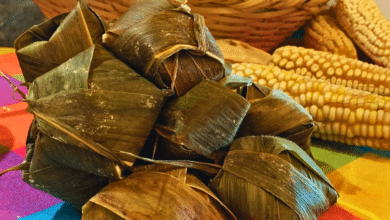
<point>6,50</point>
<point>364,186</point>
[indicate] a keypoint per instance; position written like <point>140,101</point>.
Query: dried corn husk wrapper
<point>156,195</point>
<point>205,119</point>
<point>267,177</point>
<point>273,112</point>
<point>99,98</point>
<point>167,44</point>
<point>45,46</point>
<point>235,51</point>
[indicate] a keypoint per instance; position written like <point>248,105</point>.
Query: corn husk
<point>53,42</point>
<point>235,51</point>
<point>167,44</point>
<point>203,120</point>
<point>265,177</point>
<point>272,112</point>
<point>156,195</point>
<point>98,98</point>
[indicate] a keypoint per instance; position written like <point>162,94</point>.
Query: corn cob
<point>342,114</point>
<point>333,68</point>
<point>324,34</point>
<point>367,27</point>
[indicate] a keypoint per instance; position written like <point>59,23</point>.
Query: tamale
<point>156,195</point>
<point>167,44</point>
<point>273,112</point>
<point>205,119</point>
<point>45,46</point>
<point>268,177</point>
<point>98,97</point>
<point>61,154</point>
<point>73,186</point>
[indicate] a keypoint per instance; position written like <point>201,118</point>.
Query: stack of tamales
<point>142,119</point>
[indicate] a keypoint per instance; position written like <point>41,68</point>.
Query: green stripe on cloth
<point>19,77</point>
<point>331,155</point>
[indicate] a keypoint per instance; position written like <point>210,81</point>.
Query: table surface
<point>361,175</point>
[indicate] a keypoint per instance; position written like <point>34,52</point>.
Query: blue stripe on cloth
<point>61,211</point>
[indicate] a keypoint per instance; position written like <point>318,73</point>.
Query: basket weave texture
<point>261,23</point>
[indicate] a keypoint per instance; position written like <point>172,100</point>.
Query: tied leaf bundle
<point>265,177</point>
<point>203,120</point>
<point>115,108</point>
<point>170,195</point>
<point>46,46</point>
<point>49,164</point>
<point>167,44</point>
<point>273,112</point>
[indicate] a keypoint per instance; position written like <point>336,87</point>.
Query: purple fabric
<point>14,193</point>
<point>6,91</point>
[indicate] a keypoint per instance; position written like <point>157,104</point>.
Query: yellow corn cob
<point>324,34</point>
<point>342,114</point>
<point>333,68</point>
<point>363,21</point>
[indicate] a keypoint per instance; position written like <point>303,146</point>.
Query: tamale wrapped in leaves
<point>98,97</point>
<point>60,154</point>
<point>268,177</point>
<point>73,186</point>
<point>203,120</point>
<point>167,44</point>
<point>156,195</point>
<point>273,112</point>
<point>45,46</point>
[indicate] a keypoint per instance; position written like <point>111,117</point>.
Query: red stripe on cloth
<point>21,151</point>
<point>14,125</point>
<point>9,63</point>
<point>338,213</point>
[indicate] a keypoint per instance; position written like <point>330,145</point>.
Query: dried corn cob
<point>324,34</point>
<point>342,114</point>
<point>333,68</point>
<point>368,28</point>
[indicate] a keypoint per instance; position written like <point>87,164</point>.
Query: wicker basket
<point>262,23</point>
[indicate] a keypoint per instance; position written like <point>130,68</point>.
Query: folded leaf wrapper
<point>71,185</point>
<point>156,195</point>
<point>167,150</point>
<point>267,177</point>
<point>205,119</point>
<point>167,44</point>
<point>98,98</point>
<point>45,46</point>
<point>273,112</point>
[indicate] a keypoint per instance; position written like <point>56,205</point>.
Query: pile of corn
<point>347,97</point>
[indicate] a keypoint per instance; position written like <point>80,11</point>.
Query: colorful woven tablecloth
<point>360,175</point>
